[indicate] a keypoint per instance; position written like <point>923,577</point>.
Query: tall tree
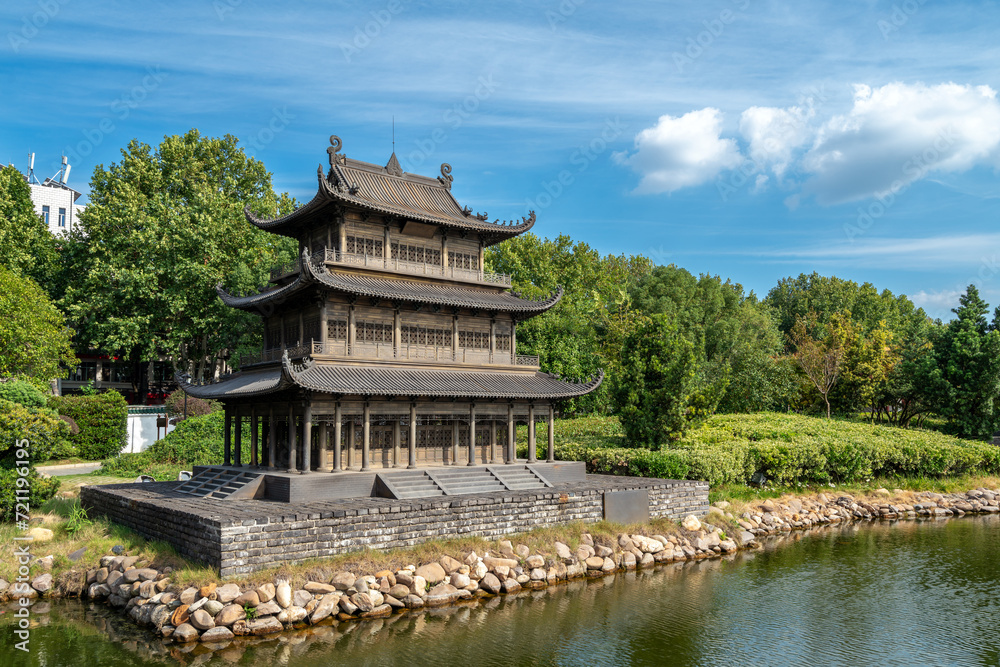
<point>961,377</point>
<point>34,339</point>
<point>821,356</point>
<point>162,229</point>
<point>26,246</point>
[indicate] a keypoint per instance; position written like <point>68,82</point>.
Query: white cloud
<point>773,134</point>
<point>899,133</point>
<point>681,152</point>
<point>935,252</point>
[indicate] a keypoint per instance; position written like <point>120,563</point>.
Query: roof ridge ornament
<point>393,166</point>
<point>446,178</point>
<point>335,145</point>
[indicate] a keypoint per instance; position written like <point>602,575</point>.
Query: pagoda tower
<point>386,344</point>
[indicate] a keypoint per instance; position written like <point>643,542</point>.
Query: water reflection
<point>910,593</point>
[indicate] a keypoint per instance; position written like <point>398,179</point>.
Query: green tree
<point>961,376</point>
<point>734,334</point>
<point>661,391</point>
<point>26,246</point>
<point>583,332</point>
<point>820,353</point>
<point>162,229</point>
<point>34,338</point>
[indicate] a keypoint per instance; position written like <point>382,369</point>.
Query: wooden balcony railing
<point>411,268</point>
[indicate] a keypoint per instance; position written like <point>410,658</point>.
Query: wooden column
<point>324,448</point>
<point>552,435</point>
<point>386,253</point>
<point>238,439</point>
<point>532,458</point>
<point>482,267</point>
<point>253,435</point>
<point>343,236</point>
<point>324,319</point>
<point>302,333</point>
<point>493,441</point>
<point>226,437</point>
<point>366,433</point>
<point>336,437</point>
<point>513,342</point>
<point>396,463</point>
<point>444,253</point>
<point>411,445</point>
<point>350,444</point>
<point>350,329</point>
<point>454,337</point>
<point>397,334</point>
<point>293,444</point>
<point>454,442</point>
<point>511,434</point>
<point>307,416</point>
<point>272,438</point>
<point>493,337</point>
<point>472,434</point>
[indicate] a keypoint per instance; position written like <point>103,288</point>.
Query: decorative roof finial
<point>335,145</point>
<point>446,178</point>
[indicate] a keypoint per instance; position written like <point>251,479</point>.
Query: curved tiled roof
<point>251,383</point>
<point>392,289</point>
<point>388,381</point>
<point>403,195</point>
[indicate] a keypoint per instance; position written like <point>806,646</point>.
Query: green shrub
<point>40,490</point>
<point>196,407</point>
<point>195,441</point>
<point>23,392</point>
<point>47,435</point>
<point>102,420</point>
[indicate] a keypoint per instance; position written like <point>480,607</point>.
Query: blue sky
<point>750,139</point>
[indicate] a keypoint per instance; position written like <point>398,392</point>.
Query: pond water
<point>911,593</point>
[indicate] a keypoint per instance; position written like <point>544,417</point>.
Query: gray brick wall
<point>257,535</point>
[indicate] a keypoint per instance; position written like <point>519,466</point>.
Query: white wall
<point>142,431</point>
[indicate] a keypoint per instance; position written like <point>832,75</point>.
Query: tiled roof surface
<point>252,383</point>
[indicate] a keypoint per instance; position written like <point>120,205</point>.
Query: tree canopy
<point>26,246</point>
<point>163,227</point>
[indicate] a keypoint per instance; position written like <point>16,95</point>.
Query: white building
<point>54,201</point>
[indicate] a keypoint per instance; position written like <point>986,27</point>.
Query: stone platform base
<point>244,536</point>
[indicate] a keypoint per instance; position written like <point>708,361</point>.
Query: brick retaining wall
<point>243,536</point>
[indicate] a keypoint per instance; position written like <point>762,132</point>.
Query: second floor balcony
<point>394,265</point>
<point>390,352</point>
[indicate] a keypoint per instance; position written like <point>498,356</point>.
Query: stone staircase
<point>222,483</point>
<point>461,480</point>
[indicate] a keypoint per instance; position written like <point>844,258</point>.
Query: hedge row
<point>195,441</point>
<point>47,435</point>
<point>786,449</point>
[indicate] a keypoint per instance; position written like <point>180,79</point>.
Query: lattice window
<point>274,335</point>
<point>292,333</point>
<point>416,254</point>
<point>503,342</point>
<point>362,245</point>
<point>461,260</point>
<point>311,328</point>
<point>336,329</point>
<point>417,335</point>
<point>477,340</point>
<point>374,332</point>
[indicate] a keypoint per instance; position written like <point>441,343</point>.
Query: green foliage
<point>196,407</point>
<point>47,435</point>
<point>661,390</point>
<point>960,378</point>
<point>23,392</point>
<point>40,490</point>
<point>102,420</point>
<point>26,246</point>
<point>584,331</point>
<point>78,520</point>
<point>164,226</point>
<point>195,441</point>
<point>787,449</point>
<point>34,338</point>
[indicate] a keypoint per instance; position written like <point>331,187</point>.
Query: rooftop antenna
<point>63,172</point>
<point>31,169</point>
